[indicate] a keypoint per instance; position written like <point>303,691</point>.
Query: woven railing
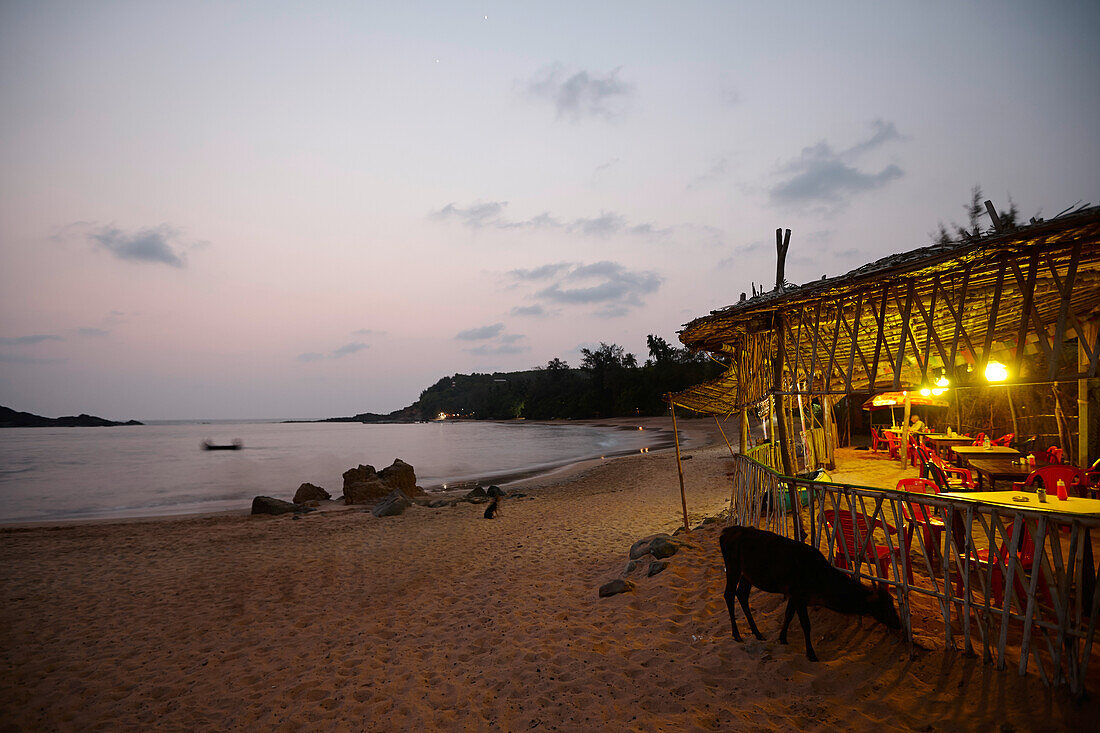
<point>1036,608</point>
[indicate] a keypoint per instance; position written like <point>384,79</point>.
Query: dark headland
<point>10,418</point>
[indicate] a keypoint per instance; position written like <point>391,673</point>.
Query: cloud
<point>475,215</point>
<point>92,332</point>
<point>609,285</point>
<point>534,311</point>
<point>486,215</point>
<point>337,353</point>
<point>826,177</point>
<point>368,332</point>
<point>543,272</point>
<point>715,173</point>
<point>349,349</point>
<point>28,340</point>
<point>581,94</point>
<point>481,333</point>
<point>22,359</point>
<point>152,244</point>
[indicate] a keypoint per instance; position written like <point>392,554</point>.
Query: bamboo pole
<point>905,430</point>
<point>1012,411</point>
<point>723,432</point>
<point>744,431</point>
<point>679,465</point>
<point>1083,441</point>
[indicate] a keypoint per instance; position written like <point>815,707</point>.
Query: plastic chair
<point>877,440</point>
<point>1025,559</point>
<point>894,443</point>
<point>953,474</point>
<point>1004,440</point>
<point>940,478</point>
<point>917,514</point>
<point>1077,481</point>
<point>979,439</point>
<point>844,529</point>
<point>1054,454</point>
<point>1093,474</point>
<point>912,451</point>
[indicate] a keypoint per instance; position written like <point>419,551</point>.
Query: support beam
<point>744,431</point>
<point>679,465</point>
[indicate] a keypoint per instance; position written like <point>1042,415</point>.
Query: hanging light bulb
<point>925,392</point>
<point>995,371</point>
<point>942,382</point>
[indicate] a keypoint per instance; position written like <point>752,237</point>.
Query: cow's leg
<point>804,618</point>
<point>729,594</point>
<point>743,589</point>
<point>787,616</point>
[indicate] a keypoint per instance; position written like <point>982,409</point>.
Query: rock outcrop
<point>364,485</point>
<point>268,505</point>
<point>308,492</point>
<point>394,504</point>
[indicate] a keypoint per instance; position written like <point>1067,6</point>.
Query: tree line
<point>608,382</point>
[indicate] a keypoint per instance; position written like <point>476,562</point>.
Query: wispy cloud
<point>823,176</point>
<point>609,286</point>
<point>337,353</point>
<point>531,311</point>
<point>481,333</point>
<point>490,215</point>
<point>92,332</point>
<point>28,340</point>
<point>500,347</point>
<point>579,94</point>
<point>157,244</point>
<point>718,171</point>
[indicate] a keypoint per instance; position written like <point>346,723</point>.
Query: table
<point>1003,468</point>
<point>941,442</point>
<point>966,452</point>
<point>1072,505</point>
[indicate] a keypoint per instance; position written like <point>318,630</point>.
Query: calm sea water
<point>160,469</point>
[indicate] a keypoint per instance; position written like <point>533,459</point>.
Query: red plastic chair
<point>1004,440</point>
<point>1054,454</point>
<point>955,476</point>
<point>912,451</point>
<point>894,443</point>
<point>979,439</point>
<point>1093,474</point>
<point>845,530</point>
<point>1025,560</point>
<point>877,441</point>
<point>917,514</point>
<point>1077,481</point>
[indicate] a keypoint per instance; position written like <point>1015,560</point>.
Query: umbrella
<point>890,400</point>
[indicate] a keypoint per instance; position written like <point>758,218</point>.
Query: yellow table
<point>1072,505</point>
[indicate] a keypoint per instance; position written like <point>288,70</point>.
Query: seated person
<point>917,425</point>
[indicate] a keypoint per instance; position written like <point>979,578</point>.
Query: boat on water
<point>235,445</point>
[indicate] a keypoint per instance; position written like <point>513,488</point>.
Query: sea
<point>161,469</point>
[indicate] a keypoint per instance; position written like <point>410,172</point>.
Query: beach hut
<point>1008,315</point>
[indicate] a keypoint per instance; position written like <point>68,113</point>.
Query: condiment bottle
<point>986,444</point>
<point>1063,495</point>
<point>1042,494</point>
<point>1031,460</point>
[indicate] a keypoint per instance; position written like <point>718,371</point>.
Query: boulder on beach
<point>658,545</point>
<point>616,586</point>
<point>494,491</point>
<point>364,485</point>
<point>395,503</point>
<point>268,505</point>
<point>308,492</point>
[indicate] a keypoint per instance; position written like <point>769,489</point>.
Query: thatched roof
<point>1017,297</point>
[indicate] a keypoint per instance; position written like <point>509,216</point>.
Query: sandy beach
<point>441,620</point>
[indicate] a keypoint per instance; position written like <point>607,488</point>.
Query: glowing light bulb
<point>925,392</point>
<point>995,371</point>
<point>942,382</point>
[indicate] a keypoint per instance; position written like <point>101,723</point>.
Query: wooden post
<point>830,432</point>
<point>905,430</point>
<point>679,465</point>
<point>744,431</point>
<point>1012,411</point>
<point>1083,397</point>
<point>779,400</point>
<point>723,432</point>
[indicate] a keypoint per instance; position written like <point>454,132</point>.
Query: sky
<point>298,210</point>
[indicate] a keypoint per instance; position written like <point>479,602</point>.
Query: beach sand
<point>441,620</point>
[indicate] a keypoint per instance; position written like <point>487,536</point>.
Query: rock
<point>662,547</point>
<point>392,505</point>
<point>631,566</point>
<point>437,503</point>
<point>478,493</point>
<point>494,491</point>
<point>309,492</point>
<point>644,545</point>
<point>616,586</point>
<point>655,567</point>
<point>365,492</point>
<point>401,476</point>
<point>268,505</point>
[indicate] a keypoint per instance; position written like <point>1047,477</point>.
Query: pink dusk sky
<point>298,210</point>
